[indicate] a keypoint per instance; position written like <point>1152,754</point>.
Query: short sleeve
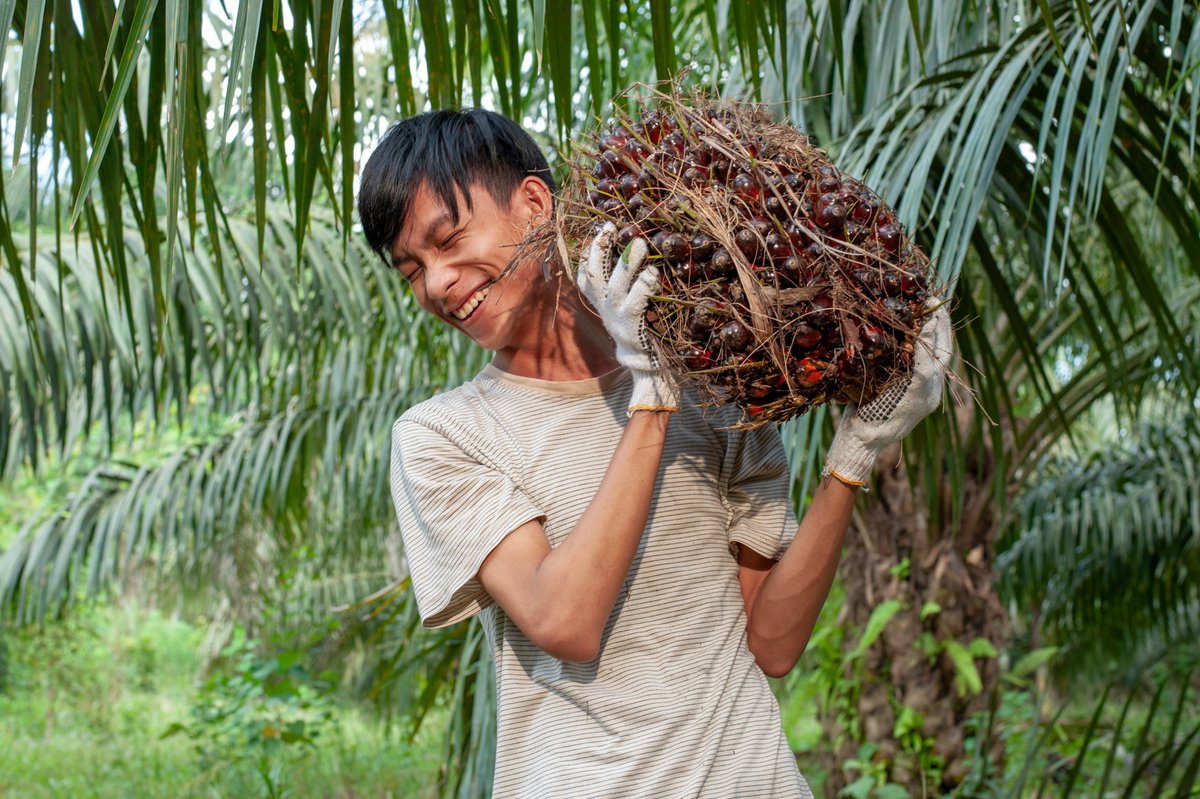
<point>757,489</point>
<point>455,503</point>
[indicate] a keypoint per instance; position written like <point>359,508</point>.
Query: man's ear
<point>533,199</point>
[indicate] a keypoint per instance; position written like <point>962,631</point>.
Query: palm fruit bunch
<point>784,282</point>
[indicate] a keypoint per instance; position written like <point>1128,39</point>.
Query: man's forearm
<point>561,598</point>
<point>785,607</point>
<point>583,576</point>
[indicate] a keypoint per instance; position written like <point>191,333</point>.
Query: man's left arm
<point>783,598</point>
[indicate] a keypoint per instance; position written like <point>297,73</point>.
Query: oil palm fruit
<point>784,282</point>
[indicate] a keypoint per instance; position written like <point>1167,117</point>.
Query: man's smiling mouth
<point>468,307</point>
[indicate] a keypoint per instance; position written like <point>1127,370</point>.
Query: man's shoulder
<point>445,403</point>
<point>466,416</point>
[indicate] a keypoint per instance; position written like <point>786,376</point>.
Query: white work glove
<point>864,432</point>
<point>620,294</point>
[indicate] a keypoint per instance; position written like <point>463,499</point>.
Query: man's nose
<point>440,276</point>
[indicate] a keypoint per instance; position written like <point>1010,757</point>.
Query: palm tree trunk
<point>892,553</point>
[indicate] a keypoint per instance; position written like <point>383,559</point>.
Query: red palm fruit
<point>648,184</point>
<point>628,185</point>
<point>874,342</point>
<point>652,126</point>
<point>796,234</point>
<point>811,372</point>
<point>758,389</point>
<point>666,162</point>
<point>778,246</point>
<point>703,246</point>
<point>720,264</point>
<point>635,151</point>
<point>822,311</point>
<point>733,336</point>
<point>627,234</point>
<point>615,140</point>
<point>766,276</point>
<point>869,278</point>
<point>676,248</point>
<point>746,187</point>
<point>686,271</point>
<point>898,312</point>
<point>889,237</point>
<point>850,366</point>
<point>696,357</point>
<point>675,141</point>
<point>707,315</point>
<point>776,207</point>
<point>805,336</point>
<point>699,156</point>
<point>831,217</point>
<point>790,270</point>
<point>911,283</point>
<point>614,163</point>
<point>864,210</point>
<point>785,207</point>
<point>761,226</point>
<point>891,283</point>
<point>747,241</point>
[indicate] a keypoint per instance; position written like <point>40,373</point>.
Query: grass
<point>84,704</point>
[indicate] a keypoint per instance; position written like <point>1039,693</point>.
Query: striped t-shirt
<point>674,705</point>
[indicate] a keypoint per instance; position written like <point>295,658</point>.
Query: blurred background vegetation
<point>201,589</point>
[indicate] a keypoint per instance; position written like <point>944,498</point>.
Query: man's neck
<point>571,345</point>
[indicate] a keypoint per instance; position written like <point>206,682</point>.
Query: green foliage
<point>103,739</point>
<point>1136,740</point>
<point>1105,545</point>
<point>873,782</point>
<point>263,710</point>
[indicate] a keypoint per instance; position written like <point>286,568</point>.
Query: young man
<point>633,560</point>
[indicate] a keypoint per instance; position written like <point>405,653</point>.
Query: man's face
<point>457,271</point>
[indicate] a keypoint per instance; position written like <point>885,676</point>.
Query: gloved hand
<point>864,432</point>
<point>620,293</point>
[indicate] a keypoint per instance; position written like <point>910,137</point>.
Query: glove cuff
<point>849,460</point>
<point>652,391</point>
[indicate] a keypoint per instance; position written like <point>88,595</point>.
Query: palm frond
<point>1107,547</point>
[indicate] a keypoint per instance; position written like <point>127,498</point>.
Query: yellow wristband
<point>845,480</point>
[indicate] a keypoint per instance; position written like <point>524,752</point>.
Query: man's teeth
<point>469,305</point>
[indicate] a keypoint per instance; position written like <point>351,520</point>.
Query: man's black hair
<point>443,149</point>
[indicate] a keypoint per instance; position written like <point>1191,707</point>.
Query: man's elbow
<point>776,666</point>
<point>567,641</point>
<point>776,658</point>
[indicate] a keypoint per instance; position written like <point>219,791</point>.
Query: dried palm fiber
<point>784,283</point>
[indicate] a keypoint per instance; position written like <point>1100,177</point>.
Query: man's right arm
<point>561,598</point>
